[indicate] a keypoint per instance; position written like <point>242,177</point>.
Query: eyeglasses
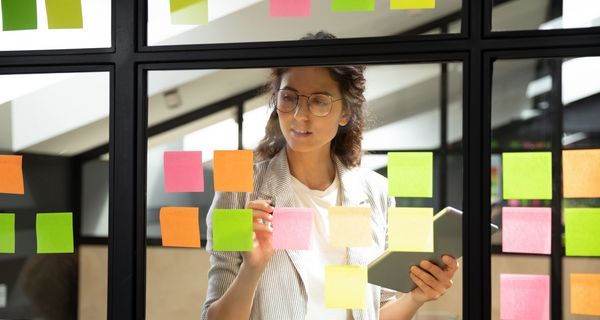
<point>318,104</point>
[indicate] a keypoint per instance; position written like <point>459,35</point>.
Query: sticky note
<point>7,233</point>
<point>527,230</point>
<point>232,230</point>
<point>350,227</point>
<point>352,5</point>
<point>527,175</point>
<point>585,294</point>
<point>64,14</point>
<point>54,232</point>
<point>292,228</point>
<point>19,15</point>
<point>233,171</point>
<point>179,227</point>
<point>289,8</point>
<point>410,174</point>
<point>346,287</point>
<point>183,171</point>
<point>582,226</point>
<point>11,174</point>
<point>524,297</point>
<point>194,12</point>
<point>412,4</point>
<point>410,229</point>
<point>581,173</point>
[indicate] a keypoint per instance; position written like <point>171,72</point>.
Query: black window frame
<point>129,59</point>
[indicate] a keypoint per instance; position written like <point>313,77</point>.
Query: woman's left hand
<point>432,281</point>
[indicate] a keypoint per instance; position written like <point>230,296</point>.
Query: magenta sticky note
<point>183,171</point>
<point>527,230</point>
<point>290,8</point>
<point>524,297</point>
<point>292,228</point>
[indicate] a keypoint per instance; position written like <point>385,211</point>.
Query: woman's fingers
<point>451,265</point>
<point>431,281</point>
<point>261,227</point>
<point>427,290</point>
<point>257,214</point>
<point>264,205</point>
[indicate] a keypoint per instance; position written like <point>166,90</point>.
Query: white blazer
<point>281,292</point>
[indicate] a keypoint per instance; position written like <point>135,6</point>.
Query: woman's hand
<point>262,237</point>
<point>432,281</point>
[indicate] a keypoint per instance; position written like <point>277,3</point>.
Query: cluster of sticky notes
<point>410,175</point>
<point>524,296</point>
<point>233,171</point>
<point>585,294</point>
<point>22,14</point>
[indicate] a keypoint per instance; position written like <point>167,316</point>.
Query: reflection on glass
<point>50,120</point>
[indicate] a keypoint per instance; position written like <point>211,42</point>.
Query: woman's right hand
<point>262,237</point>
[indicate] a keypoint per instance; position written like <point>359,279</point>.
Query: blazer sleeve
<point>224,266</point>
<point>388,295</point>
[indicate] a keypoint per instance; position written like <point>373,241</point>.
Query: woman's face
<point>303,131</point>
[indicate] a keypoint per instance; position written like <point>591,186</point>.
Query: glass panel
<point>509,15</point>
<point>200,109</point>
<point>92,31</point>
<point>48,121</point>
<point>253,21</point>
<point>521,130</point>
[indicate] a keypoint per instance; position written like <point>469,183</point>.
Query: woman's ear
<point>344,119</point>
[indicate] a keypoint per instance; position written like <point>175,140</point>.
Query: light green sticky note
<point>352,5</point>
<point>194,12</point>
<point>7,233</point>
<point>412,4</point>
<point>527,175</point>
<point>54,232</point>
<point>346,287</point>
<point>582,227</point>
<point>19,15</point>
<point>232,230</point>
<point>410,229</point>
<point>64,14</point>
<point>410,174</point>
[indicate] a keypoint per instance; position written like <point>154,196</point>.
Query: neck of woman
<point>315,170</point>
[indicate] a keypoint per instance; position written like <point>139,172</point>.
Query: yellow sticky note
<point>350,227</point>
<point>346,287</point>
<point>412,4</point>
<point>585,294</point>
<point>410,229</point>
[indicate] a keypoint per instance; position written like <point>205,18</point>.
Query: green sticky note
<point>352,5</point>
<point>64,14</point>
<point>54,232</point>
<point>19,15</point>
<point>410,174</point>
<point>412,4</point>
<point>582,227</point>
<point>232,230</point>
<point>527,175</point>
<point>7,233</point>
<point>194,12</point>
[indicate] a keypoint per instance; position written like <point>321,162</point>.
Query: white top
<point>321,253</point>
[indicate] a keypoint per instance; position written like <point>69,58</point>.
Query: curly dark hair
<point>346,145</point>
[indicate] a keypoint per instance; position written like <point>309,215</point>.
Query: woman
<point>311,154</point>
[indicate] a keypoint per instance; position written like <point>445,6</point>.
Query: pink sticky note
<point>290,8</point>
<point>524,297</point>
<point>183,171</point>
<point>527,230</point>
<point>292,228</point>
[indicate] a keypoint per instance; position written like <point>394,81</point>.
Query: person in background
<point>310,158</point>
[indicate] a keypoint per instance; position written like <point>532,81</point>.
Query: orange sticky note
<point>11,174</point>
<point>585,294</point>
<point>179,227</point>
<point>581,173</point>
<point>233,171</point>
